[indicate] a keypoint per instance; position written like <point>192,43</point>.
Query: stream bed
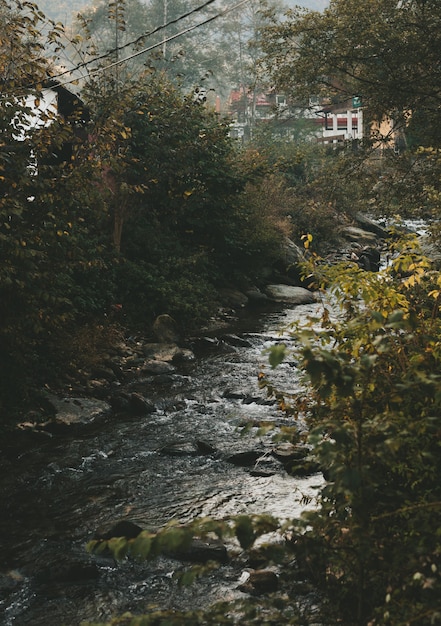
<point>55,494</point>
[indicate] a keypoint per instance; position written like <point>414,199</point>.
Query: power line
<point>149,48</point>
<point>135,41</point>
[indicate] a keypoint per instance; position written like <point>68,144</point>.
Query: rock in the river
<point>123,528</point>
<point>287,451</point>
<point>235,340</point>
<point>303,467</point>
<point>255,296</point>
<point>168,352</point>
<point>290,295</point>
<point>233,298</point>
<point>180,448</point>
<point>151,366</point>
<point>138,405</point>
<point>202,551</point>
<point>76,411</point>
<point>258,582</point>
<point>244,459</point>
<point>366,223</point>
<point>166,329</point>
<point>354,233</point>
<point>188,448</point>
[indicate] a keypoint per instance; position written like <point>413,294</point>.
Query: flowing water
<point>54,495</point>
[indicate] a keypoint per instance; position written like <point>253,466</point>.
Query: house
<point>56,102</point>
<point>250,109</point>
<point>341,122</point>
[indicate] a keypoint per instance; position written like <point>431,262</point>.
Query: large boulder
<point>371,226</point>
<point>290,294</point>
<point>288,265</point>
<point>359,235</point>
<point>76,411</point>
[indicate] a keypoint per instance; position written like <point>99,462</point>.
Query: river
<point>55,494</point>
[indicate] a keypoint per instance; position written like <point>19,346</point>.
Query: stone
<point>353,233</point>
<point>76,411</point>
<point>290,295</point>
<point>258,582</point>
<point>369,225</point>
<point>165,329</point>
<point>180,448</point>
<point>244,459</point>
<point>202,551</point>
<point>152,366</point>
<point>168,352</point>
<point>123,528</point>
<point>300,468</point>
<point>287,451</point>
<point>205,448</point>
<point>255,296</point>
<point>138,405</point>
<point>233,298</point>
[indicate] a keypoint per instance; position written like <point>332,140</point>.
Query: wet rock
<point>369,259</point>
<point>9,582</point>
<point>188,448</point>
<point>255,296</point>
<point>138,405</point>
<point>258,400</point>
<point>233,298</point>
<point>205,448</point>
<point>262,473</point>
<point>369,225</point>
<point>152,366</point>
<point>123,528</point>
<point>258,582</point>
<point>244,459</point>
<point>235,340</point>
<point>104,372</point>
<point>165,329</point>
<point>180,448</point>
<point>288,452</point>
<point>168,352</point>
<point>290,295</point>
<point>234,394</point>
<point>354,233</point>
<point>133,403</point>
<point>76,412</point>
<point>202,551</point>
<point>305,467</point>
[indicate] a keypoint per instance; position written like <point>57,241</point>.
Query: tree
<point>373,407</point>
<point>384,51</point>
<point>49,217</point>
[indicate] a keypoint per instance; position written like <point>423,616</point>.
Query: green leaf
<point>277,354</point>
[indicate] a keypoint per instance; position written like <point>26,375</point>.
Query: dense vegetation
<point>158,208</point>
<point>149,213</point>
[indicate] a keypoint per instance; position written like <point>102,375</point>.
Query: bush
<point>373,408</point>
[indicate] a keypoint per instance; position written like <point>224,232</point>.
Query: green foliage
<point>384,51</point>
<point>373,411</point>
<point>373,49</point>
<point>149,213</point>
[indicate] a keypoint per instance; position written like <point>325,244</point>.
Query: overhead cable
<point>149,48</point>
<point>135,41</point>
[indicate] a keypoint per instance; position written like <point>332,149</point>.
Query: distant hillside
<point>64,10</point>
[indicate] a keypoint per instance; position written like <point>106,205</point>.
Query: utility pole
<point>164,43</point>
